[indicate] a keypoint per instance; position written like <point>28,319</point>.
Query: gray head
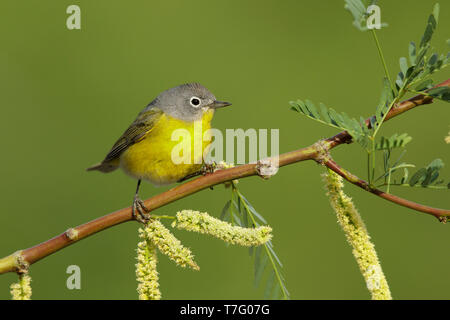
<point>187,101</point>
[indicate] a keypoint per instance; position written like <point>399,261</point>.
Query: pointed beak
<point>219,104</point>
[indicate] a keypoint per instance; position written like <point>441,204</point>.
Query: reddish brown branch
<point>344,137</point>
<point>441,214</point>
<point>22,259</point>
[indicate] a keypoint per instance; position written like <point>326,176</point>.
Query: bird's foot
<point>197,173</point>
<point>140,211</point>
<point>209,168</point>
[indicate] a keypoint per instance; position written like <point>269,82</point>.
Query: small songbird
<point>145,149</point>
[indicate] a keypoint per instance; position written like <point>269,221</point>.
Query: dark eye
<point>195,102</point>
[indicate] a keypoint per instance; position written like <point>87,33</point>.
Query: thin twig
<point>441,214</point>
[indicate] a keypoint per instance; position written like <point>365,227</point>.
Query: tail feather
<point>104,167</point>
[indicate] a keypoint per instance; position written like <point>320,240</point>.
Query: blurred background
<point>67,95</point>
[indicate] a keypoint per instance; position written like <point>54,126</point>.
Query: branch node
<point>323,153</point>
<point>266,168</point>
<point>72,234</point>
<point>443,219</point>
<point>21,264</point>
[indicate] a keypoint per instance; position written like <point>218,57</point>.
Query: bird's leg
<point>139,210</point>
<point>191,175</point>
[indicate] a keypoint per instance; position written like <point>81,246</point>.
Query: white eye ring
<point>195,102</point>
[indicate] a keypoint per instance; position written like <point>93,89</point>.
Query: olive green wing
<point>140,127</point>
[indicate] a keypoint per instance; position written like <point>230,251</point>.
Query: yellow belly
<point>153,157</point>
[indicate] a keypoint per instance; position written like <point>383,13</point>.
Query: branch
<point>344,137</point>
<point>21,260</point>
<point>441,214</point>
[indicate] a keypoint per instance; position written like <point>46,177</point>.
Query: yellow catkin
<point>358,237</point>
<point>202,222</point>
<point>165,241</point>
<point>447,138</point>
<point>146,273</point>
<point>21,290</point>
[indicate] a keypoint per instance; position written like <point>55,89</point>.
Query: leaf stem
<point>421,92</point>
<point>380,53</point>
<point>373,159</point>
<point>415,186</point>
<point>275,269</point>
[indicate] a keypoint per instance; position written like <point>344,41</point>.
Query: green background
<point>66,95</point>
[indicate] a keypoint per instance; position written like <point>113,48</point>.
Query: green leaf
<point>424,177</point>
<point>269,245</point>
<point>403,65</point>
<point>427,176</point>
<point>436,164</point>
<point>423,65</point>
<point>276,291</point>
<point>260,265</point>
<point>312,109</point>
<point>362,123</point>
<point>442,93</point>
<point>269,284</point>
<point>432,172</point>
<point>238,221</point>
<point>424,84</point>
<point>431,27</point>
<point>436,11</point>
<point>330,117</point>
<point>418,176</point>
<point>358,11</point>
<point>399,81</point>
<point>394,141</point>
<point>324,112</point>
<point>251,209</point>
<point>412,53</point>
<point>433,59</point>
<point>405,175</point>
<point>225,210</point>
<point>336,118</point>
<point>262,254</point>
<point>385,101</point>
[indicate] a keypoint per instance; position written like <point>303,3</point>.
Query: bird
<point>145,151</point>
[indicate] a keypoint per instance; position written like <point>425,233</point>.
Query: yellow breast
<point>160,159</point>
